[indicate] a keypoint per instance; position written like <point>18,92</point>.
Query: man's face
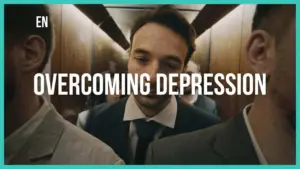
<point>283,77</point>
<point>156,49</point>
<point>11,53</point>
<point>23,58</point>
<point>275,56</point>
<point>111,98</point>
<point>190,69</point>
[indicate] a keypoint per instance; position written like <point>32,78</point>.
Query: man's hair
<point>266,18</point>
<point>169,17</point>
<point>262,12</point>
<point>20,22</point>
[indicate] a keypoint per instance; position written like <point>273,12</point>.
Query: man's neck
<point>152,111</point>
<point>19,110</point>
<point>273,131</point>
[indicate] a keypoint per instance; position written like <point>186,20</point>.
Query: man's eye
<point>141,59</point>
<point>173,65</point>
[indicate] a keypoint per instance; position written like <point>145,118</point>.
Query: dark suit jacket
<point>106,123</point>
<point>226,143</point>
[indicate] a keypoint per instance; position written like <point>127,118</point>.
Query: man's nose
<point>152,71</point>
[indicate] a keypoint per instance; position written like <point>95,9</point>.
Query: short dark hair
<point>262,12</point>
<point>20,22</point>
<point>266,18</point>
<point>169,17</point>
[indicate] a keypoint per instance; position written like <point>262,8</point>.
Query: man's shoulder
<point>199,136</point>
<point>57,141</point>
<point>105,114</point>
<point>188,148</point>
<point>198,114</point>
<point>206,102</point>
<point>105,109</point>
<point>101,109</point>
<point>224,143</point>
<point>83,148</point>
<point>209,100</point>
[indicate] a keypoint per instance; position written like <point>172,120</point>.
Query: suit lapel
<point>117,132</point>
<point>233,143</point>
<point>41,145</point>
<point>120,140</point>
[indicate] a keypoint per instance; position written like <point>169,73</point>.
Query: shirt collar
<point>257,149</point>
<point>166,117</point>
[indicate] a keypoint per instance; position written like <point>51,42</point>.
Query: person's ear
<point>35,50</point>
<point>260,52</point>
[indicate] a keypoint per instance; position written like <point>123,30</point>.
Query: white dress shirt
<point>14,142</point>
<point>167,118</point>
<point>82,118</point>
<point>257,149</point>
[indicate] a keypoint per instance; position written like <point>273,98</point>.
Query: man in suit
<point>199,101</point>
<point>34,132</point>
<point>162,41</point>
<point>264,132</point>
<point>94,100</point>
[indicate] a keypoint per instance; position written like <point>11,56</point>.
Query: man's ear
<point>35,50</point>
<point>260,52</point>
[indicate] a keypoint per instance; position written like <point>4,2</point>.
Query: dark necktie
<point>145,131</point>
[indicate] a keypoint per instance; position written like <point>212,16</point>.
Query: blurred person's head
<point>162,41</point>
<point>191,68</point>
<point>109,97</point>
<point>114,97</point>
<point>27,48</point>
<point>95,99</point>
<point>271,50</point>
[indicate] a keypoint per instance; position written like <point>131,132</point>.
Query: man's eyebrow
<point>141,51</point>
<point>174,58</point>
